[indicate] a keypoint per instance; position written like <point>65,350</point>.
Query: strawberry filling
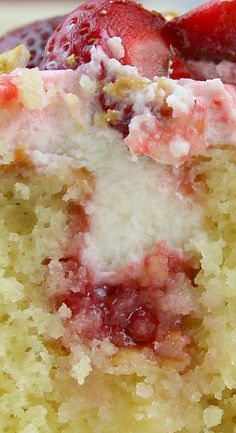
<point>131,313</point>
<point>142,305</point>
<point>119,312</point>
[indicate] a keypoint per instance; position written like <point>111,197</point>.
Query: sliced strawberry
<point>179,69</point>
<point>33,36</point>
<point>95,21</point>
<point>206,33</point>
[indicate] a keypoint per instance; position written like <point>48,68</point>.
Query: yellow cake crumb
<point>30,89</point>
<point>212,416</point>
<point>46,389</point>
<point>16,58</point>
<point>81,366</point>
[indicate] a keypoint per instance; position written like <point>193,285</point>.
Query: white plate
<point>172,5</point>
<point>16,13</point>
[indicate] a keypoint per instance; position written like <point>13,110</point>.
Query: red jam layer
<point>143,306</point>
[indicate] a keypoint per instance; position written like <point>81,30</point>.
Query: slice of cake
<point>117,213</point>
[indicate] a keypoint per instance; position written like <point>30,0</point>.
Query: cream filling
<point>135,205</point>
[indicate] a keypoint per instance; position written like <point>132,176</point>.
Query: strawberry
<point>33,36</point>
<point>206,33</point>
<point>178,69</point>
<point>95,21</point>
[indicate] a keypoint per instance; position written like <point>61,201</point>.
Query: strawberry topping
<point>95,21</point>
<point>179,69</point>
<point>206,33</point>
<point>33,36</point>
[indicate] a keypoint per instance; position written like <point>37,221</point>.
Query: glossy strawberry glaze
<point>136,307</point>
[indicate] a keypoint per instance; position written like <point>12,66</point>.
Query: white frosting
<point>203,70</point>
<point>179,147</point>
<point>135,205</point>
<point>116,47</point>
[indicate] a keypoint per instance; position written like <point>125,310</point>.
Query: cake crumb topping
<point>16,58</point>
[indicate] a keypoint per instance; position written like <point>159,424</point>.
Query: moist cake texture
<point>117,251</point>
